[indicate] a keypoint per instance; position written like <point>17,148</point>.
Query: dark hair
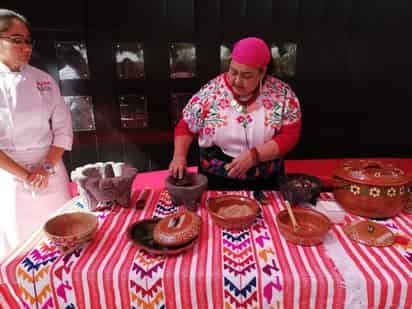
<point>7,17</point>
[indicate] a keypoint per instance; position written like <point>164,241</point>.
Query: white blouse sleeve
<point>61,121</point>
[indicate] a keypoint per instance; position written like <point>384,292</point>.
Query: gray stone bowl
<point>190,190</point>
<point>105,184</point>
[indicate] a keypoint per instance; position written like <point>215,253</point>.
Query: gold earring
<point>260,85</point>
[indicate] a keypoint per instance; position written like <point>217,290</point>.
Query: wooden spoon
<point>295,225</point>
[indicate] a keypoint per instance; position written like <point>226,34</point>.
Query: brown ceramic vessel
<point>141,233</point>
<point>222,216</point>
<point>313,226</point>
<point>177,229</point>
<point>69,230</point>
<point>371,189</point>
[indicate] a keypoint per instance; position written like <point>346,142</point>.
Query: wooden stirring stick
<point>295,225</point>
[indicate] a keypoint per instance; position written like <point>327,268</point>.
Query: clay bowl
<point>371,189</point>
<point>141,233</point>
<point>177,229</point>
<point>187,191</point>
<point>233,211</point>
<point>69,230</point>
<point>313,226</point>
<point>300,188</point>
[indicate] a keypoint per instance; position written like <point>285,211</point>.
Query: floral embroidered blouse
<point>214,115</point>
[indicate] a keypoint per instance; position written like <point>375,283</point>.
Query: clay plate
<point>141,233</point>
<point>370,233</point>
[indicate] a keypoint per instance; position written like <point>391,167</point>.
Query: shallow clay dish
<point>313,226</point>
<point>177,229</point>
<point>69,230</point>
<point>370,233</point>
<point>233,211</point>
<point>141,233</point>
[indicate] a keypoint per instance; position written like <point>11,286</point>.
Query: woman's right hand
<point>177,167</point>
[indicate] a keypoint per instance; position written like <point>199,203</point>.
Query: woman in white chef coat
<point>35,130</point>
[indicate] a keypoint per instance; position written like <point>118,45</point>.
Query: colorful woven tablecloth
<point>252,268</point>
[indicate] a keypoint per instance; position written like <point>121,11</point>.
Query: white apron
<point>23,210</point>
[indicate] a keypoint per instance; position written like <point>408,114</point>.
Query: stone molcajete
<point>105,184</point>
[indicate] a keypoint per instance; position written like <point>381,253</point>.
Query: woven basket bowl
<point>69,230</point>
<point>313,226</point>
<point>238,222</point>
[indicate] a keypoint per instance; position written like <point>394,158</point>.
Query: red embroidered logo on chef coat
<point>44,86</point>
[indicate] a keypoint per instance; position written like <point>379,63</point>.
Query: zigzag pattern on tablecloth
<point>239,270</point>
<point>146,277</point>
<point>32,275</point>
<point>266,259</point>
<point>62,278</point>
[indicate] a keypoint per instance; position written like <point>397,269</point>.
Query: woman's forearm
<point>268,151</point>
<point>54,155</point>
<point>182,145</point>
<point>8,164</point>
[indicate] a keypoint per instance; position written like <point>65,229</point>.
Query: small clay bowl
<point>227,212</point>
<point>141,233</point>
<point>177,229</point>
<point>313,226</point>
<point>69,230</point>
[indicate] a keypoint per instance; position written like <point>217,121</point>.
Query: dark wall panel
<point>352,75</point>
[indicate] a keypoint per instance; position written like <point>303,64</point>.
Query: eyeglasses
<point>18,40</point>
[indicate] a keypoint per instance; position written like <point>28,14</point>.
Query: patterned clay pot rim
<point>371,172</point>
<point>177,229</point>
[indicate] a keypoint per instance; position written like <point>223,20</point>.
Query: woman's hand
<point>177,167</point>
<point>240,165</point>
<point>38,178</point>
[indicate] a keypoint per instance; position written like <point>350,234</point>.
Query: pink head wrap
<point>252,52</point>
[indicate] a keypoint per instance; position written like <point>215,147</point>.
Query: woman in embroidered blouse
<point>35,130</point>
<point>245,122</point>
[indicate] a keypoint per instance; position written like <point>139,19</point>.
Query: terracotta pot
<point>313,226</point>
<point>230,218</point>
<point>371,188</point>
<point>177,229</point>
<point>69,230</point>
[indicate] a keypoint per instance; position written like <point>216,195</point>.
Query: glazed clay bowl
<point>313,226</point>
<point>69,230</point>
<point>300,188</point>
<point>186,191</point>
<point>233,211</point>
<point>141,234</point>
<point>371,189</point>
<point>177,229</point>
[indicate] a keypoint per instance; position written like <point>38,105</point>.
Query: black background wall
<point>353,68</point>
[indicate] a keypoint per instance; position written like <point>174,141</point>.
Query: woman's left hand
<point>240,165</point>
<point>38,177</point>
